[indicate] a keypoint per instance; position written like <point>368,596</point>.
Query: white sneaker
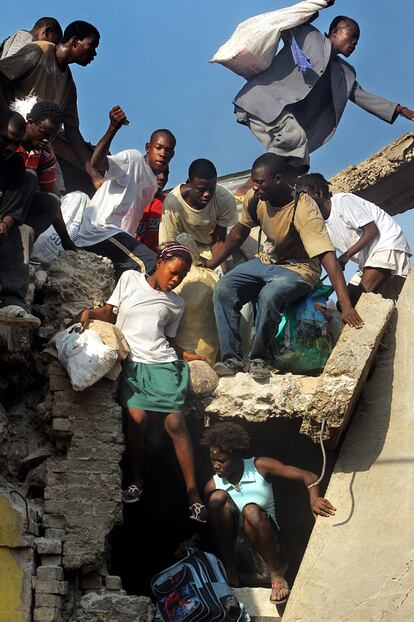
<point>13,315</point>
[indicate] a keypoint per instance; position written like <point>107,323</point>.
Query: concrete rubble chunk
<point>241,396</point>
<point>339,387</point>
<point>49,573</point>
<point>114,606</point>
<point>203,379</point>
<point>45,546</point>
<point>46,614</point>
<point>51,587</point>
<point>113,583</point>
<point>385,178</point>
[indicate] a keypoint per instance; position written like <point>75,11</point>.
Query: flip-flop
<point>198,512</point>
<point>132,494</point>
<point>279,585</point>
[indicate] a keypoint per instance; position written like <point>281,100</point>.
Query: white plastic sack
<point>253,45</point>
<point>84,356</point>
<point>48,245</point>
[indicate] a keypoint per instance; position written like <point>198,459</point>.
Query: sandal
<point>132,494</point>
<point>280,586</point>
<point>198,512</point>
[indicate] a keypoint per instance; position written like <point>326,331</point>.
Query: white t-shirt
<point>146,317</point>
<point>119,203</point>
<point>349,213</point>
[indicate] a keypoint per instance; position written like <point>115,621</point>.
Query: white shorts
<point>397,262</point>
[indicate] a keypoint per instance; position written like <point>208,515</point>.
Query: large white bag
<point>48,245</point>
<point>84,356</point>
<point>253,45</point>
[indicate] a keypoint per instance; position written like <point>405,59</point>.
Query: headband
<point>175,250</point>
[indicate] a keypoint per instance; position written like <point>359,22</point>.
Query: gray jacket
<point>266,95</point>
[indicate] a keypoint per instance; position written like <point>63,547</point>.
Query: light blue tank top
<point>253,489</point>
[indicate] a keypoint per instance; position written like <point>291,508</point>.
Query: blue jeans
<point>272,286</point>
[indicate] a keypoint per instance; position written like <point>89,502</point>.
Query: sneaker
<point>13,315</point>
<point>259,370</point>
<point>227,368</point>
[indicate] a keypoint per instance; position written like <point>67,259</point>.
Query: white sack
<point>84,356</point>
<point>253,45</point>
<point>48,245</point>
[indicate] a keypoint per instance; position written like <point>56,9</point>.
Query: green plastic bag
<point>307,333</point>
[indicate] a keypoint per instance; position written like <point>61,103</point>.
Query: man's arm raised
<point>117,118</point>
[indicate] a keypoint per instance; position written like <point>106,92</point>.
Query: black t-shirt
<point>11,181</point>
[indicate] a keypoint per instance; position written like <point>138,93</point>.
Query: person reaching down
<point>240,496</point>
<point>156,375</point>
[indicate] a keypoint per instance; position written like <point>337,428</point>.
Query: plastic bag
<point>84,356</point>
<point>48,245</point>
<point>307,333</point>
<point>253,45</point>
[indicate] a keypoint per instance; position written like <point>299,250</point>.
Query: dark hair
<point>80,30</point>
<point>9,117</point>
<point>46,110</point>
<point>338,19</point>
<point>202,169</point>
<point>315,182</point>
<point>49,22</point>
<point>228,437</point>
<point>171,250</point>
<point>274,163</point>
<point>163,131</point>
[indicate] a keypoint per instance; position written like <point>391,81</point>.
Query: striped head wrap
<point>173,249</point>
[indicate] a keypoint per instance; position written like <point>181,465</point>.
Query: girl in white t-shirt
<point>155,374</point>
<point>362,232</point>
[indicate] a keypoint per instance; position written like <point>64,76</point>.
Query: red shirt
<point>43,161</point>
<point>147,231</point>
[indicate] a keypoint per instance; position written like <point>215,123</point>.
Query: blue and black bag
<point>195,589</point>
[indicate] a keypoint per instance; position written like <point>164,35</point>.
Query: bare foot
<point>280,591</point>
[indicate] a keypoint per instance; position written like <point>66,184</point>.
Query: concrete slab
<point>256,601</point>
<point>359,566</point>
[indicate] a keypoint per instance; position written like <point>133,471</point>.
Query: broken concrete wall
<point>385,178</point>
<point>358,566</point>
<point>330,397</point>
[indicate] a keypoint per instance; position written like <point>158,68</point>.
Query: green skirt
<point>157,387</point>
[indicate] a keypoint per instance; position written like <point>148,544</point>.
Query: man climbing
<point>42,69</point>
<point>45,29</point>
<point>110,218</point>
<point>200,208</point>
<point>287,269</point>
<point>40,196</point>
<point>295,105</point>
<point>14,266</point>
<point>362,232</point>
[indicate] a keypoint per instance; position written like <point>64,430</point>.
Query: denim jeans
<point>39,211</point>
<point>272,286</point>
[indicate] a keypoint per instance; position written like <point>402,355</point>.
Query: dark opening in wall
<point>154,527</point>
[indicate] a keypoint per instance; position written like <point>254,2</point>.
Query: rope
<point>318,481</point>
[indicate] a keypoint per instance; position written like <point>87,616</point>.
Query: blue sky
<point>152,60</point>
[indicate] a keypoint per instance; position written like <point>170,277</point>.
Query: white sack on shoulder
<point>253,45</point>
<point>84,356</point>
